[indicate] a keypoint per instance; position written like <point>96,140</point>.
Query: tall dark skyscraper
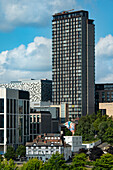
<point>73,61</point>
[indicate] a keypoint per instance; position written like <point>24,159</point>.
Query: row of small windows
<point>65,16</point>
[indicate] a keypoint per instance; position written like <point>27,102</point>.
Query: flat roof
<point>68,12</point>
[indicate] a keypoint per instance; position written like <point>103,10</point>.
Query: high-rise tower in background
<point>73,61</point>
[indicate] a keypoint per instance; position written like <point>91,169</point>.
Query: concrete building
<point>73,62</point>
<point>14,118</point>
<point>103,94</point>
<point>59,112</point>
<point>44,146</point>
<point>41,122</point>
<point>75,142</point>
<point>40,90</point>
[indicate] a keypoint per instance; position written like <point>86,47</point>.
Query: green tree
<point>55,162</point>
<point>32,164</point>
<point>21,150</point>
<point>95,153</point>
<point>79,161</point>
<point>84,128</point>
<point>104,163</point>
<point>102,129</point>
<point>68,132</point>
<point>108,136</point>
<point>8,165</point>
<point>10,154</point>
<point>1,158</point>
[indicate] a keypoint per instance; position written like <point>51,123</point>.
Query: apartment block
<point>73,62</point>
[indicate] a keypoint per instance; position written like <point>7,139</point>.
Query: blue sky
<point>25,37</point>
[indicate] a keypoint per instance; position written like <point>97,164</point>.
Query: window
<point>7,106</point>
<point>1,105</point>
<point>34,118</point>
<point>1,136</point>
<point>20,107</point>
<point>1,121</point>
<point>30,118</point>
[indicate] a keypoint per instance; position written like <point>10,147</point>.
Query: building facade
<point>75,142</point>
<point>103,94</point>
<point>106,108</point>
<point>44,146</point>
<point>41,122</point>
<point>73,62</point>
<point>40,90</point>
<point>59,112</point>
<point>14,118</point>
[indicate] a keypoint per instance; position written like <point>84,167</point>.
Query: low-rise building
<point>106,108</point>
<point>103,94</point>
<point>45,145</point>
<point>75,142</point>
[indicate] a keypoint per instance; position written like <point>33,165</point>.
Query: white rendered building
<point>75,142</point>
<point>44,152</point>
<point>45,145</point>
<point>14,118</point>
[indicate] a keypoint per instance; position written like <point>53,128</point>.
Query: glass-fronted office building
<point>14,118</point>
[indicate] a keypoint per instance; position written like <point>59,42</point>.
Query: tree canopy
<point>32,164</point>
<point>95,153</point>
<point>55,162</point>
<point>105,162</point>
<point>79,161</point>
<point>92,127</point>
<point>10,154</point>
<point>21,151</point>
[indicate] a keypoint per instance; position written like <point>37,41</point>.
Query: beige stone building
<point>106,108</point>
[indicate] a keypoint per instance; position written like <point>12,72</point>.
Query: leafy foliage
<point>32,164</point>
<point>92,127</point>
<point>55,162</point>
<point>95,153</point>
<point>10,154</point>
<point>8,165</point>
<point>79,161</point>
<point>21,150</point>
<point>105,162</point>
<point>68,132</point>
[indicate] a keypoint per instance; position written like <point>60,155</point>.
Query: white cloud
<point>15,13</point>
<point>105,46</point>
<point>33,61</point>
<point>104,59</point>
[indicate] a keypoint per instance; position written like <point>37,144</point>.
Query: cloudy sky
<point>25,37</point>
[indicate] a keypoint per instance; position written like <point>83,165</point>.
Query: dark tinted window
<point>25,110</point>
<point>1,105</point>
<point>11,106</point>
<point>27,107</point>
<point>1,136</point>
<point>20,106</point>
<point>1,121</point>
<point>23,95</point>
<point>7,105</point>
